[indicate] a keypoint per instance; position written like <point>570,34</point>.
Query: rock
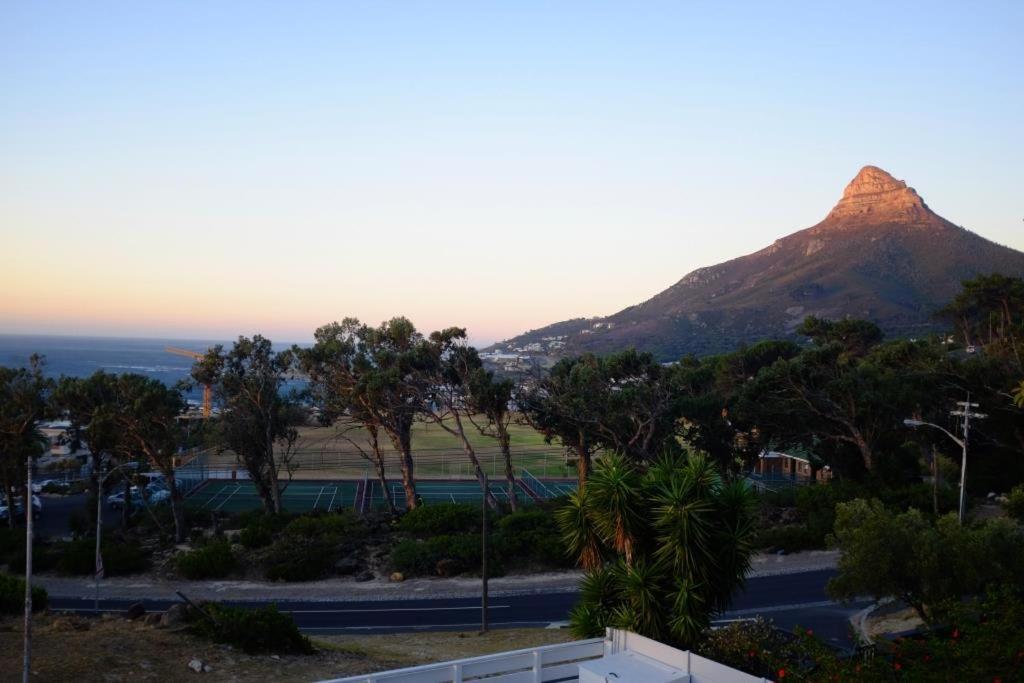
<point>446,567</point>
<point>347,566</point>
<point>176,614</point>
<point>207,668</point>
<point>397,577</point>
<point>277,657</point>
<point>154,619</point>
<point>364,576</point>
<point>196,665</point>
<point>991,495</point>
<point>134,611</point>
<point>781,552</point>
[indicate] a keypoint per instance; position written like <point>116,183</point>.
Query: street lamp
<point>966,413</point>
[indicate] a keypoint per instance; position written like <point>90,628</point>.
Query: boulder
<point>397,577</point>
<point>347,566</point>
<point>134,611</point>
<point>196,665</point>
<point>176,614</point>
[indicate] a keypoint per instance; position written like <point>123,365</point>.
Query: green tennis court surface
<point>443,492</point>
<point>300,496</point>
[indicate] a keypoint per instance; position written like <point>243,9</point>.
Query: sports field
<point>300,496</point>
<point>443,492</point>
<point>231,496</point>
<point>338,452</point>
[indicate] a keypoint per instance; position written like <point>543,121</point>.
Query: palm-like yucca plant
<point>665,546</point>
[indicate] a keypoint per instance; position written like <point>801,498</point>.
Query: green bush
<point>343,524</point>
<point>309,545</point>
<point>211,561</point>
<point>10,541</point>
<point>447,555</point>
<point>295,557</point>
<point>440,518</point>
<point>256,536</point>
<point>530,538</point>
<point>44,557</point>
<point>78,558</point>
<point>1014,504</point>
<point>12,595</point>
<point>256,631</point>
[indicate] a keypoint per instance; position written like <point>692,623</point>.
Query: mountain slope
<point>880,254</point>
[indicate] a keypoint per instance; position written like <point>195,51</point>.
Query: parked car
<point>19,508</point>
<point>116,500</point>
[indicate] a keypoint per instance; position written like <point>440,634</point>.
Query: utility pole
<point>483,563</point>
<point>29,512</point>
<point>966,413</point>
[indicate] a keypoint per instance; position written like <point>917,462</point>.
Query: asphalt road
<point>789,600</point>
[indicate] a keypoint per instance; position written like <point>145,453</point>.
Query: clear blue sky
<point>215,168</point>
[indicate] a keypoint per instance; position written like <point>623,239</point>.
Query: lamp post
<point>101,480</point>
<point>483,562</point>
<point>966,413</point>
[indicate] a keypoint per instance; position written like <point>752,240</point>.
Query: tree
<point>374,375</point>
<point>24,395</point>
<point>342,398</point>
<point>664,546</point>
<point>448,368</point>
<point>90,404</point>
<point>924,564</point>
<point>257,422</point>
<point>492,398</point>
<point>147,417</point>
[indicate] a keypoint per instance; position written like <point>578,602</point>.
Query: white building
<point>619,657</point>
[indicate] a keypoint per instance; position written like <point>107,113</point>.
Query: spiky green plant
<point>665,546</point>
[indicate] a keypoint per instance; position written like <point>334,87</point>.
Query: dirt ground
<point>112,649</point>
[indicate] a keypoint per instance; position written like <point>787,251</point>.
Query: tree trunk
<point>506,453</point>
<point>467,447</point>
<point>378,464</point>
<point>126,509</point>
<point>177,507</point>
<point>275,489</point>
<point>403,443</point>
<point>582,464</point>
<point>94,485</point>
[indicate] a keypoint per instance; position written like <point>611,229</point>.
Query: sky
<point>209,169</point>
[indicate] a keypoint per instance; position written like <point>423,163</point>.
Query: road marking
<point>393,609</point>
<point>421,627</point>
<point>783,608</point>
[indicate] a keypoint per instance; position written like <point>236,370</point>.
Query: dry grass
<point>112,649</point>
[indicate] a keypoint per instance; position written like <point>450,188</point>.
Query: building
<point>620,657</point>
<point>779,466</point>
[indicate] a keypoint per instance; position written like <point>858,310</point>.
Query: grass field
<point>332,453</point>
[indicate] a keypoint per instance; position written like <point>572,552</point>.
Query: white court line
<point>237,489</point>
<point>330,506</point>
<point>317,501</point>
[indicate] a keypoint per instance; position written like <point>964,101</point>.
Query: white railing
<point>559,663</point>
<point>537,665</point>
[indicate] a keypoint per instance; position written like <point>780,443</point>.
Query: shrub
<point>1014,504</point>
<point>211,561</point>
<point>530,537</point>
<point>447,555</point>
<point>10,541</point>
<point>294,557</point>
<point>256,631</point>
<point>255,536</point>
<point>440,518</point>
<point>79,558</point>
<point>44,558</point>
<point>343,524</point>
<point>12,595</point>
<point>309,545</point>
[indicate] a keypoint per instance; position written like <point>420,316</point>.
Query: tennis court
<point>300,496</point>
<point>467,491</point>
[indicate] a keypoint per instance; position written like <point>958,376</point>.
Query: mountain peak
<point>875,196</point>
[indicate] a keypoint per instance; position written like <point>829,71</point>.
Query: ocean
<point>82,356</point>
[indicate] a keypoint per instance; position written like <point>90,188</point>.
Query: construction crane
<point>207,390</point>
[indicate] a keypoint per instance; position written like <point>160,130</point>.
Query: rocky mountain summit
<point>880,254</point>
